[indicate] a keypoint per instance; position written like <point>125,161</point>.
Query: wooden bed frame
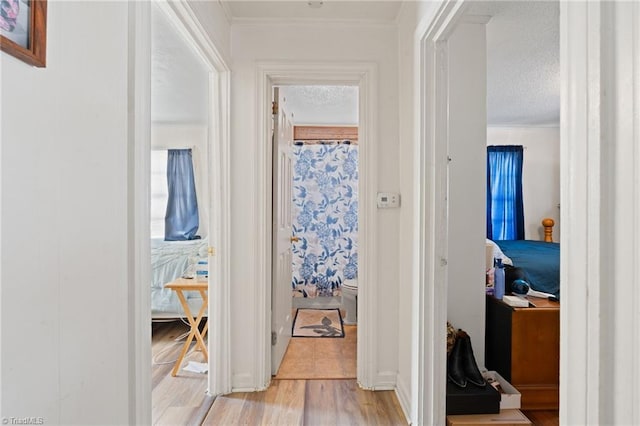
<point>547,224</point>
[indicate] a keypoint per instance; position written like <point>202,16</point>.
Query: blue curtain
<point>181,221</point>
<point>505,209</point>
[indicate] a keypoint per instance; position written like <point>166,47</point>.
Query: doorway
<point>315,193</point>
<point>363,76</point>
<point>180,215</point>
<point>216,137</point>
<point>451,175</point>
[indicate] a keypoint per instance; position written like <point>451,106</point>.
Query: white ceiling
<point>317,105</point>
<point>179,80</point>
<point>523,66</point>
<point>330,10</point>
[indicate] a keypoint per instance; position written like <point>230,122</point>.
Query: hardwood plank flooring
<point>307,402</point>
<point>315,385</point>
<point>543,417</point>
<point>179,400</point>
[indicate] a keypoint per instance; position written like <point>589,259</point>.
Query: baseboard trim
<point>404,397</point>
<point>244,382</point>
<point>386,380</point>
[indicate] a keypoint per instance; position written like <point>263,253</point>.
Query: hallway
<point>315,385</point>
<point>307,402</point>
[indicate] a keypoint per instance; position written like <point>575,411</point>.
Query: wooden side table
<point>179,286</point>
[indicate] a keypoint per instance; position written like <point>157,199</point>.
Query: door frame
<point>583,26</point>
<point>363,75</point>
<point>139,308</point>
<point>429,334</point>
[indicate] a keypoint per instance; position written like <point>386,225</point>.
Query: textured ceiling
<point>336,105</point>
<point>179,80</point>
<point>523,62</point>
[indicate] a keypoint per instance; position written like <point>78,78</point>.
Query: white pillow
<point>498,254</point>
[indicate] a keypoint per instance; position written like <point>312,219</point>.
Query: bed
<point>171,260</point>
<point>540,260</point>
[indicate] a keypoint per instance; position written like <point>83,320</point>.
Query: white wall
<point>467,182</point>
<point>64,310</point>
<point>311,43</point>
<point>194,136</point>
<point>65,221</point>
<point>540,174</point>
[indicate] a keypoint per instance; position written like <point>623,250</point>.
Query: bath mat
<point>318,323</point>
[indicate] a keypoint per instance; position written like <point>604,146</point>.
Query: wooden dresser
<point>523,345</point>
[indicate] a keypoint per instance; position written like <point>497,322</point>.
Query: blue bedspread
<point>540,260</point>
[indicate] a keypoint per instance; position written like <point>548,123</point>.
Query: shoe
<point>469,366</point>
<point>455,370</point>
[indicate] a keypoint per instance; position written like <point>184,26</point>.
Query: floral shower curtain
<point>325,218</point>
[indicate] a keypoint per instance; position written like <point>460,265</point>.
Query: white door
<point>281,296</point>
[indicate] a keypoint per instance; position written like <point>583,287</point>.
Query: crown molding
<point>313,22</point>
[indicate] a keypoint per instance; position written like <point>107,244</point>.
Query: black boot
<point>455,370</point>
<point>469,365</point>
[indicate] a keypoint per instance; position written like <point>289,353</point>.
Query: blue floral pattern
<point>325,218</point>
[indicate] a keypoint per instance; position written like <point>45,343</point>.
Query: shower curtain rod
<point>325,142</point>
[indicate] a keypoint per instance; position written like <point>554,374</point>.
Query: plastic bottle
<point>499,279</point>
<point>202,269</point>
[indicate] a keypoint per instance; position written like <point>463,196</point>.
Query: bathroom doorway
<point>322,205</point>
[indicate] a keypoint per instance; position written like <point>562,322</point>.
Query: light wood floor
<point>179,400</point>
<point>307,402</point>
<point>302,394</point>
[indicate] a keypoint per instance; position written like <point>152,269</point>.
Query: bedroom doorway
<point>181,104</point>
<point>180,217</point>
<point>454,100</point>
<point>318,125</point>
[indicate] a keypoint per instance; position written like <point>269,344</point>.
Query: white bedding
<point>171,260</point>
<point>496,253</point>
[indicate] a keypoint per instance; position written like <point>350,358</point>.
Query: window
<point>505,210</point>
<point>159,192</point>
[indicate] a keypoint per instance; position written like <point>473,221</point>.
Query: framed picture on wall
<point>23,30</point>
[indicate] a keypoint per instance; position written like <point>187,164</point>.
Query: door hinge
<point>274,107</point>
<point>274,338</point>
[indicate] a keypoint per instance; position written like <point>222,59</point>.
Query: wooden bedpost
<point>548,229</point>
